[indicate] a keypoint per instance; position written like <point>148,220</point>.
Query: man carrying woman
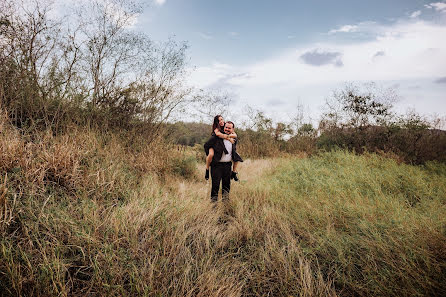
<point>221,152</point>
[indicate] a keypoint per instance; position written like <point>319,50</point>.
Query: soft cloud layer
<point>361,27</point>
<point>438,6</point>
<point>205,36</point>
<point>441,80</point>
<point>379,54</point>
<point>275,102</point>
<point>345,29</point>
<point>407,52</point>
<point>160,2</point>
<point>415,14</point>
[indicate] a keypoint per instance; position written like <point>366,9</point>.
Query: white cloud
<point>361,27</point>
<point>415,14</point>
<point>345,29</point>
<point>208,75</point>
<point>160,2</point>
<point>438,6</point>
<point>205,36</point>
<point>233,34</point>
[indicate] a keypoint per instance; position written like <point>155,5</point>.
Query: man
<point>221,165</point>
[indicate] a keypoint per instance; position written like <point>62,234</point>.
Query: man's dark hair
<point>229,122</point>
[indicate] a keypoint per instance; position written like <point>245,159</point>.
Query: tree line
<point>358,117</point>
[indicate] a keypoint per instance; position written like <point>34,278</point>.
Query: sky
<point>276,55</point>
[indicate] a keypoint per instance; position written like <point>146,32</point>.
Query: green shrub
<point>414,146</point>
<point>184,166</point>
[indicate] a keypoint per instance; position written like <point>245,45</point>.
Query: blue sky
<point>245,31</point>
<point>274,55</point>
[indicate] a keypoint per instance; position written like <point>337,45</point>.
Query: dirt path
<point>249,172</point>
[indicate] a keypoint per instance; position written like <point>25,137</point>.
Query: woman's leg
<point>209,158</point>
<point>234,166</point>
<point>234,171</point>
<point>208,162</point>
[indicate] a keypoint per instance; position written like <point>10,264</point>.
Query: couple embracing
<point>221,157</point>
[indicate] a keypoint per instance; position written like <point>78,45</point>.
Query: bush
<point>184,166</point>
<point>258,144</point>
<point>415,146</point>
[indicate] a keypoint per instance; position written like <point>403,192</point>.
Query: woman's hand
<point>231,140</point>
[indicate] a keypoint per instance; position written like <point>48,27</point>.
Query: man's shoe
<point>234,176</point>
<point>206,175</point>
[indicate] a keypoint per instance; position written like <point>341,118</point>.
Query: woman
<point>217,130</point>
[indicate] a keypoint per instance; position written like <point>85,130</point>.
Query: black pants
<point>221,172</point>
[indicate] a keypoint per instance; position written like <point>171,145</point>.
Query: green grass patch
<point>376,227</point>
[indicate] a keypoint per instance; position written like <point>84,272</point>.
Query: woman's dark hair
<point>216,123</point>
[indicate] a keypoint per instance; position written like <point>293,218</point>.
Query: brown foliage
<point>414,146</point>
<point>82,162</point>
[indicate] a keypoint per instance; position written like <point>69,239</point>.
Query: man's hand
<point>231,140</point>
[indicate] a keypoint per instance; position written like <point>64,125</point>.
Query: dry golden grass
<point>83,214</point>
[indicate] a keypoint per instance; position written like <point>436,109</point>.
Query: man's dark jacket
<point>217,144</point>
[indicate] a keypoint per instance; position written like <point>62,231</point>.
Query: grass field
<point>81,218</point>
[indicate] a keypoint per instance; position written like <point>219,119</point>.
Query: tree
<point>358,106</point>
<point>110,52</point>
<point>306,130</point>
<point>265,125</point>
<point>92,61</point>
<point>211,102</point>
<point>129,74</point>
<point>36,62</point>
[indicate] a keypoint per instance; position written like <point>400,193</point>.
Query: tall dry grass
<point>83,214</point>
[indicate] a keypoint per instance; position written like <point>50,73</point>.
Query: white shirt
<point>227,157</point>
